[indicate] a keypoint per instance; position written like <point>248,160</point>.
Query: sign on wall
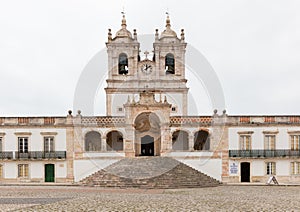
<point>233,168</point>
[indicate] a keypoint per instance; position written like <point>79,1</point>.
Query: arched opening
<point>170,64</point>
<point>147,134</point>
<point>114,141</point>
<point>123,64</point>
<point>92,141</point>
<point>147,146</point>
<point>201,140</point>
<point>180,140</point>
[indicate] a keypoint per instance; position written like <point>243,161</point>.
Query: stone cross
<point>146,54</point>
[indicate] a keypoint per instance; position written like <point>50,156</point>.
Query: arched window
<point>114,141</point>
<point>123,64</point>
<point>170,64</point>
<point>201,140</point>
<point>92,141</point>
<point>180,140</point>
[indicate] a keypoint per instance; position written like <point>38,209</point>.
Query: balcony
<point>34,155</point>
<point>6,155</point>
<point>260,153</point>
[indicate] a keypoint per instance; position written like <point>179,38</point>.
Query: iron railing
<point>6,155</point>
<point>33,155</point>
<point>257,153</point>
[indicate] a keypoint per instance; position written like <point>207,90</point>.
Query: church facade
<point>146,106</point>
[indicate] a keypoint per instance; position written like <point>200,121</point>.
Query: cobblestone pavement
<point>222,198</point>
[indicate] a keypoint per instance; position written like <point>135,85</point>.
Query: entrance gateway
<point>147,146</point>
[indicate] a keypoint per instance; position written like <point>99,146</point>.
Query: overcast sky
<point>253,46</point>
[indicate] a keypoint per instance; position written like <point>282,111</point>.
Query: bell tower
<point>123,57</point>
<point>163,74</point>
<point>169,56</point>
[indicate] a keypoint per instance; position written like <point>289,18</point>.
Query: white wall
<point>84,168</point>
<point>36,140</point>
<point>282,137</point>
<point>210,167</point>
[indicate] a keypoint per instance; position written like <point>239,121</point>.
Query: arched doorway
<point>147,146</point>
<point>114,141</point>
<point>201,140</point>
<point>180,141</point>
<point>245,172</point>
<point>92,141</point>
<point>147,134</point>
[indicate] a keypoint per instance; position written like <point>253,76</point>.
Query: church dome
<point>123,32</point>
<point>168,32</point>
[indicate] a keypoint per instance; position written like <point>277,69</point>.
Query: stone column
<point>184,104</point>
<point>166,138</point>
<point>129,141</point>
<point>70,147</point>
<point>108,104</point>
<point>103,144</point>
<point>191,142</point>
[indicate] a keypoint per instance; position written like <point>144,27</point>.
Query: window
<point>123,64</point>
<point>0,144</point>
<point>295,142</point>
<point>49,144</point>
<point>270,142</point>
<point>173,109</point>
<point>271,168</point>
<point>170,64</point>
<point>245,142</point>
<point>23,144</point>
<point>120,109</point>
<point>23,170</point>
<point>295,168</point>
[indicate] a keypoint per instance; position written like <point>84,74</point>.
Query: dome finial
<point>123,20</point>
<point>168,22</point>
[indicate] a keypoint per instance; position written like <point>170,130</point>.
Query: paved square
<point>222,198</point>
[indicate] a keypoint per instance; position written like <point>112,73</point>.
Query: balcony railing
<point>33,155</point>
<point>260,153</point>
<point>6,155</point>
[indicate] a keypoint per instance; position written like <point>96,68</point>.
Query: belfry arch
<point>147,140</point>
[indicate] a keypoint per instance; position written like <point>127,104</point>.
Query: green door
<point>49,173</point>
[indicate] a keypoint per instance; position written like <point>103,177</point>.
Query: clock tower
<point>163,74</point>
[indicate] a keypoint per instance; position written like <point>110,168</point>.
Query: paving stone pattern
<point>152,172</point>
<point>221,198</point>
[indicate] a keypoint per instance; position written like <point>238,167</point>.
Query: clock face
<point>146,68</point>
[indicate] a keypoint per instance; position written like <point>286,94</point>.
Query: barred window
<point>271,168</point>
<point>295,168</point>
<point>295,142</point>
<point>23,170</point>
<point>245,142</point>
<point>270,142</point>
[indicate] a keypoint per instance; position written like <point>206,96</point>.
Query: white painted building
<point>146,102</point>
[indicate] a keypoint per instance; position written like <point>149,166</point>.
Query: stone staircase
<point>149,172</point>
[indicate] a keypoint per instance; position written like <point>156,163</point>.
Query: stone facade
<point>146,102</point>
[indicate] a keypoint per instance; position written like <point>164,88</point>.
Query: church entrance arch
<point>147,146</point>
<point>147,134</point>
